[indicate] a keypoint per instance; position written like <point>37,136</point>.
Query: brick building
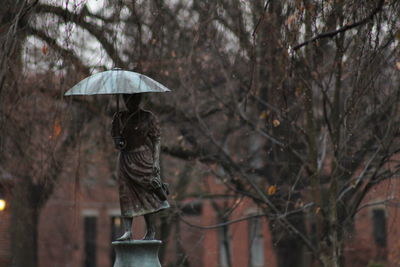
<point>79,222</point>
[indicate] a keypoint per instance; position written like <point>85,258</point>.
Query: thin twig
<point>375,203</point>
<point>214,226</point>
<point>252,53</point>
<point>261,19</point>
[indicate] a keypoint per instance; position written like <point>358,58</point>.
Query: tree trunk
<point>333,258</point>
<point>24,225</point>
<point>333,253</point>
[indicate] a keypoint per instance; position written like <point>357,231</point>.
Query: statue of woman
<point>136,134</point>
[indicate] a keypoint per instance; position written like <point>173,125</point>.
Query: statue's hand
<point>156,170</point>
<point>159,188</point>
<point>119,142</point>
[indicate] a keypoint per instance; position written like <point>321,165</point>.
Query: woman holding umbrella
<point>136,134</point>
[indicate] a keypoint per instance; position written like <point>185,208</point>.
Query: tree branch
<point>65,53</point>
<point>94,30</point>
<point>9,41</point>
<point>344,28</point>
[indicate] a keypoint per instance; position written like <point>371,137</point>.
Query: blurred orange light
<point>2,204</point>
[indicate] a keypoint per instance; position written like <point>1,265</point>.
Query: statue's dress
<point>140,131</point>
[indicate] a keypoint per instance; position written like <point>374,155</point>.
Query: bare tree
<point>294,101</point>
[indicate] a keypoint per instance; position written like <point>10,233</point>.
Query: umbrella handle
<point>117,102</point>
<point>117,116</point>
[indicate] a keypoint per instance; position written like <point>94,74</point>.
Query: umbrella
<point>116,81</point>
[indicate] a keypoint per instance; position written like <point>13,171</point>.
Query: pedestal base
<point>137,253</point>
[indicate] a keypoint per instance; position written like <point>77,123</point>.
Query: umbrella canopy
<point>116,81</point>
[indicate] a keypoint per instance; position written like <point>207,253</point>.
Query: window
<point>116,231</point>
<point>256,243</point>
<point>224,241</point>
<point>90,239</point>
<point>379,227</point>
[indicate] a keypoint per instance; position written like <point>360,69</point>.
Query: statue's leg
<point>150,225</point>
<point>127,224</point>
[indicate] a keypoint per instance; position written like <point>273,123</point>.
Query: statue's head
<point>132,101</point>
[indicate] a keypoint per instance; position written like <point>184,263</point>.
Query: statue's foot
<point>150,235</point>
<point>126,236</point>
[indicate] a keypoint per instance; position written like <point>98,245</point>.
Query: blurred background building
<point>77,227</point>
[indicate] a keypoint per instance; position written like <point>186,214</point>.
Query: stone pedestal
<point>137,253</point>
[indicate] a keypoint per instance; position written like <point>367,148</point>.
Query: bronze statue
<point>136,134</point>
